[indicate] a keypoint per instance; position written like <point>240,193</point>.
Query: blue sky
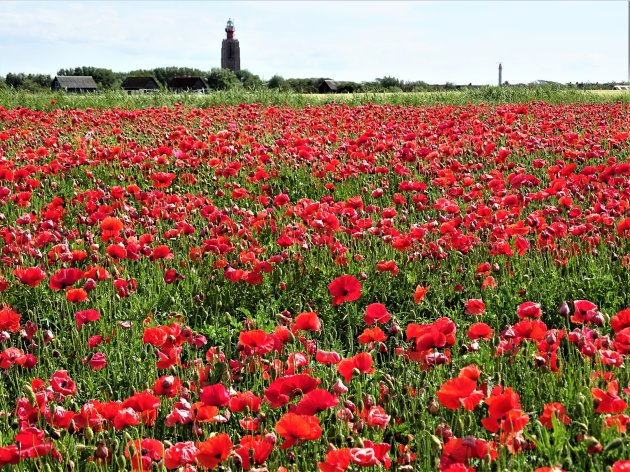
<point>435,41</point>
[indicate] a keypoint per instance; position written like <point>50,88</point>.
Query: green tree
<point>104,78</point>
<point>277,82</point>
<point>28,82</point>
<point>223,79</point>
<point>249,80</point>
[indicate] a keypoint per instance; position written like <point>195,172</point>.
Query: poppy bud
<point>339,388</point>
<point>444,432</point>
<point>101,451</point>
<point>368,401</point>
<point>28,391</point>
<point>407,467</point>
<point>433,407</point>
<point>350,406</point>
<point>394,329</point>
<point>271,438</point>
<point>88,433</point>
<point>437,444</point>
<point>89,284</point>
<point>563,309</point>
<point>540,361</point>
<point>613,444</point>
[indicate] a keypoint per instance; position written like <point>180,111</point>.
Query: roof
<point>186,82</point>
<point>139,82</point>
<point>332,85</point>
<point>76,81</point>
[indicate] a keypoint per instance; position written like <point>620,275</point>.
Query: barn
<point>140,85</point>
<point>188,84</point>
<point>328,86</point>
<point>74,84</point>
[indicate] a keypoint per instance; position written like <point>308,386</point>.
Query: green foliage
<point>223,79</point>
<point>277,83</point>
<point>104,78</point>
<point>28,82</point>
<point>249,80</point>
<point>164,75</point>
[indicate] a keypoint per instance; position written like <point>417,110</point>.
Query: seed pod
<point>88,433</point>
<point>436,443</point>
<point>613,444</point>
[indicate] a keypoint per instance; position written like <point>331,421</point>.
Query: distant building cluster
<point>230,59</point>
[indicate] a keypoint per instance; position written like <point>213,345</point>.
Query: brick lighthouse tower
<point>230,50</point>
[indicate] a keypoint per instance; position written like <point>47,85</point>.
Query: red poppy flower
<point>376,313</point>
<point>327,357</point>
<point>215,395</point>
<point>86,316</point>
<point>620,321</point>
<point>144,403</point>
<point>282,390</point>
<point>244,401</point>
<point>65,278</point>
<point>96,361</point>
<point>111,225</point>
<point>460,391</point>
<point>620,422</point>
<point>76,295</point>
<point>316,401</point>
<point>214,450</point>
<point>254,449</point>
<point>553,409</point>
<point>257,342</point>
<point>362,362</point>
<point>9,319</point>
<point>475,306</point>
<point>609,401</point>
<point>622,465</point>
<point>337,460</point>
<point>294,428</point>
<point>419,294</point>
<point>162,252</point>
<point>307,321</point>
<point>479,331</point>
<point>125,417</point>
<point>528,310</point>
<point>461,450</point>
<point>205,413</point>
<point>62,383</point>
<point>168,386</point>
<point>31,276</point>
<point>584,311</point>
<point>180,454</point>
<point>344,289</point>
<point>371,335</point>
<point>162,179</point>
<point>143,452</point>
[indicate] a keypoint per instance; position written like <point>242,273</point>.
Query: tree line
<point>225,79</point>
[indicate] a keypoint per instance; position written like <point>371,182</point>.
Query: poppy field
<point>318,288</point>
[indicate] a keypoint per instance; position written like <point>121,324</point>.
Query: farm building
<point>140,85</point>
<point>188,84</point>
<point>74,83</point>
<point>328,86</point>
<point>621,87</point>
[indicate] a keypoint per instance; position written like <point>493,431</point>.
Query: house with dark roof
<point>140,84</point>
<point>328,86</point>
<point>73,83</point>
<point>188,84</point>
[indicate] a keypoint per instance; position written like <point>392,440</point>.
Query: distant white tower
<point>500,73</point>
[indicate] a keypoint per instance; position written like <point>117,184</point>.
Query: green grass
<point>490,95</point>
